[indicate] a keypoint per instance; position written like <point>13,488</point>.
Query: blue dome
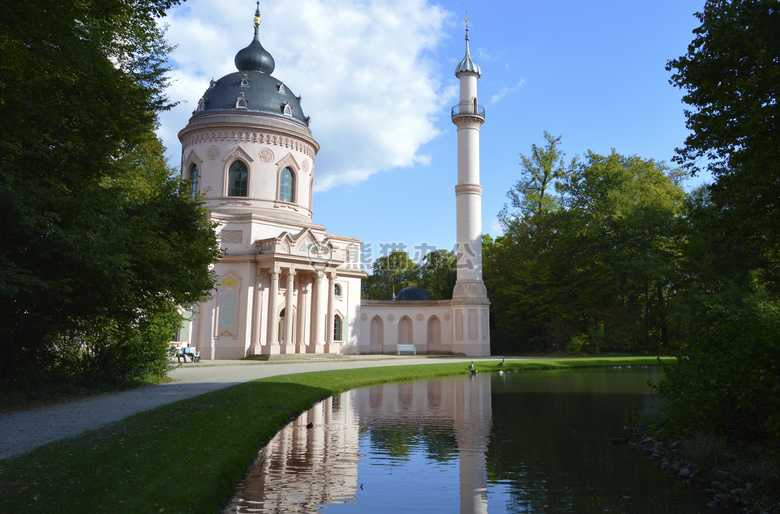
<point>413,294</point>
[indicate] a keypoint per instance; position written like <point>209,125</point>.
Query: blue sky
<point>377,78</point>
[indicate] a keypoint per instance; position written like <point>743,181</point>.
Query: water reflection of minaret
<point>472,429</point>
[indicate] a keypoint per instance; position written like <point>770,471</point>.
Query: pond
<point>509,442</point>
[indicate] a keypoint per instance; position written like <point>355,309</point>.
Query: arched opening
<point>287,186</point>
<point>281,326</point>
<point>238,179</point>
<point>434,330</point>
<point>377,334</point>
<point>405,331</point>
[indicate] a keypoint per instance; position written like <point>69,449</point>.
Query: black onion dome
<point>412,294</point>
<point>255,58</point>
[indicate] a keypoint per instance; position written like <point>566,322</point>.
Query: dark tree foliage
<point>728,379</point>
<point>731,79</point>
<point>99,244</point>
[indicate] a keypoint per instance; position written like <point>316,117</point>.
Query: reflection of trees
<point>435,442</point>
<point>394,442</point>
<point>553,449</point>
<point>439,446</point>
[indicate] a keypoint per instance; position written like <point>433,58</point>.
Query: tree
<point>592,264</point>
<point>99,244</point>
<point>730,76</point>
<point>437,274</point>
<point>728,379</point>
<point>389,275</point>
<point>532,196</point>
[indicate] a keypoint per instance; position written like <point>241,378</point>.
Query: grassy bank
<point>190,455</point>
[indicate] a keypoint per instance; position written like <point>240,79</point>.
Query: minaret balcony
<point>468,109</point>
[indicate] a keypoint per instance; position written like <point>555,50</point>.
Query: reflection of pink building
<point>285,285</point>
<point>305,467</point>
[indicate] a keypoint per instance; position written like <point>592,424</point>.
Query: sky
<point>377,78</point>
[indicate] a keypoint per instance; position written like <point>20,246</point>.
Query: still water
<point>534,442</point>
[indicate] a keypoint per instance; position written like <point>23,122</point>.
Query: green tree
<point>533,196</point>
<point>593,267</point>
<point>728,379</point>
<point>437,274</point>
<point>389,275</point>
<point>99,243</point>
<point>730,77</point>
<point>619,236</point>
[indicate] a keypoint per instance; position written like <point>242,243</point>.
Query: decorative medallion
<point>232,236</point>
<point>266,155</point>
<point>364,316</point>
<point>390,317</point>
<point>212,153</point>
<point>420,317</point>
<point>305,165</point>
<point>447,316</point>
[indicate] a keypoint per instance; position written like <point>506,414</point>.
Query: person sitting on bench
<point>184,352</point>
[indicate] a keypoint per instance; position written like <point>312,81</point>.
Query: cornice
<point>242,135</point>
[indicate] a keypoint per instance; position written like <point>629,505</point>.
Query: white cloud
<point>495,229</point>
<point>506,90</point>
<point>361,67</point>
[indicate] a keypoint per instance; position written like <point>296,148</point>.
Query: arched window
<point>237,179</point>
<point>194,177</point>
<point>337,290</point>
<point>281,326</point>
<point>337,328</point>
<point>287,186</point>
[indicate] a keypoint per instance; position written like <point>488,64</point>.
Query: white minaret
<point>468,116</point>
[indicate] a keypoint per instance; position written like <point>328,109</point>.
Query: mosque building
<point>284,284</point>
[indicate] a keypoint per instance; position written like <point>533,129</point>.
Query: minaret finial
<point>468,64</point>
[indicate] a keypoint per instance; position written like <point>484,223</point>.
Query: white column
<point>320,308</point>
<point>331,306</point>
<point>257,314</point>
<point>300,334</point>
<point>288,307</point>
<point>273,299</point>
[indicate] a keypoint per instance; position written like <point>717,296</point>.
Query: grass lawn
<point>190,455</point>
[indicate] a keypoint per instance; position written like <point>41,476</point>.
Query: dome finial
<point>255,57</point>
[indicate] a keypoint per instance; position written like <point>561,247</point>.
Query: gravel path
<point>20,432</point>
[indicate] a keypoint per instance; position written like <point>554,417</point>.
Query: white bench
<point>406,348</point>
